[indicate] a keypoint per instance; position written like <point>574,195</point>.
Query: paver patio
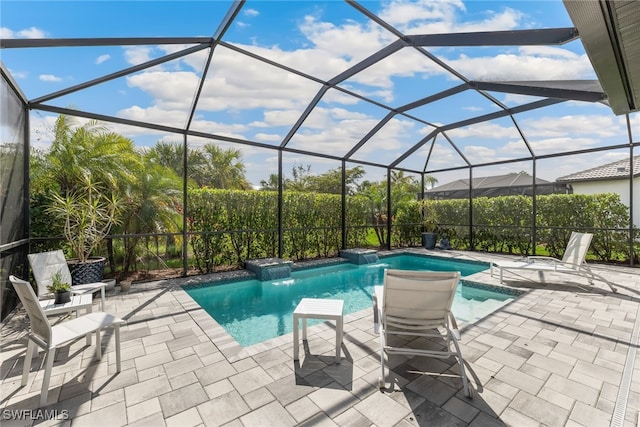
<point>560,355</point>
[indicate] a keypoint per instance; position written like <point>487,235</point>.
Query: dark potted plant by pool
<point>430,224</point>
<point>61,290</point>
<point>88,213</point>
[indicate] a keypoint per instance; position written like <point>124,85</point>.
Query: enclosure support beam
<point>631,175</point>
<point>280,189</point>
<point>185,213</point>
<point>534,209</point>
<point>388,209</point>
<point>343,219</point>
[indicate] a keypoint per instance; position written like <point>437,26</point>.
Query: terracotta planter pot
<point>86,272</point>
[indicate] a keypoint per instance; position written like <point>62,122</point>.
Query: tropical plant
<point>90,149</point>
<point>150,206</point>
<point>57,286</point>
<point>87,212</point>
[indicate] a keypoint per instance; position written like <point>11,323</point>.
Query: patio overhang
<point>609,32</point>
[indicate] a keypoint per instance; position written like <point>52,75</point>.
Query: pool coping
<point>233,351</point>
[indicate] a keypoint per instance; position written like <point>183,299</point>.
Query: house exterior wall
<point>620,186</point>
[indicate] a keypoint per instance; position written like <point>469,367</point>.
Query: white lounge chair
<point>417,304</point>
<point>50,338</point>
<point>46,264</point>
<point>573,262</point>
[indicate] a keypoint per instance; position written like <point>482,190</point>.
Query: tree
<point>225,168</point>
<point>331,181</point>
<point>271,184</point>
<point>91,149</point>
<point>171,156</point>
<point>152,203</point>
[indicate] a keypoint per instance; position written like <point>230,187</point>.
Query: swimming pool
<point>253,311</point>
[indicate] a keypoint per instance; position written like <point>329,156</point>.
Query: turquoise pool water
<point>253,311</point>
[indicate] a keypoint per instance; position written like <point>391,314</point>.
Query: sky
<point>249,100</point>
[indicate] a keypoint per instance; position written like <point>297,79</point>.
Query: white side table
<point>317,308</point>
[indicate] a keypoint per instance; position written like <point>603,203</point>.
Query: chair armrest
<point>555,261</point>
<point>542,258</point>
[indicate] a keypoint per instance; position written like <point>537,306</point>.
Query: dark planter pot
<point>62,297</point>
<point>90,271</point>
<point>429,240</point>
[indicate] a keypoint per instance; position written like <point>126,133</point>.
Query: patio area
<point>563,354</point>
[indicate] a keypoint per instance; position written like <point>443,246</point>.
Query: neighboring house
<point>511,184</point>
<point>610,178</point>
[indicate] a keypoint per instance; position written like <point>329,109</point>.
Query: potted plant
<point>88,213</point>
<point>60,289</point>
<point>430,224</point>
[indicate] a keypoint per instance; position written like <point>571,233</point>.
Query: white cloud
<point>102,58</point>
<point>596,126</point>
<point>31,33</point>
<point>480,154</point>
<point>250,12</point>
<point>402,13</point>
<point>27,33</point>
<point>18,74</point>
<point>49,78</point>
<point>137,54</point>
<point>519,66</point>
<point>439,17</point>
<point>268,137</point>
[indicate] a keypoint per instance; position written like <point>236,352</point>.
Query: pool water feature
<point>254,311</point>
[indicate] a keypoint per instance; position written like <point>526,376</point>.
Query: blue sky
<point>247,99</point>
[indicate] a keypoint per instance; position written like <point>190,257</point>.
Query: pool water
<point>253,311</point>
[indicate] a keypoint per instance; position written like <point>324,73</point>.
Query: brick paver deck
<point>560,355</point>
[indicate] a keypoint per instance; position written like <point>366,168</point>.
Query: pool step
<point>475,310</point>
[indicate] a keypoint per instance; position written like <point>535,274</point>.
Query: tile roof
<point>497,181</point>
<point>615,170</point>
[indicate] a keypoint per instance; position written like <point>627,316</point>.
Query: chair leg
<point>98,345</point>
<point>27,362</point>
<point>381,380</point>
<point>463,374</point>
<point>48,366</point>
<point>116,328</point>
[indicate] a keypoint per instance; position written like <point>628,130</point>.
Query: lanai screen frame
<point>551,92</point>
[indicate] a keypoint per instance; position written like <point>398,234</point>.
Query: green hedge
<point>228,227</point>
<point>504,224</point>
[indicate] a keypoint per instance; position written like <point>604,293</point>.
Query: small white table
<point>78,302</point>
<point>317,308</point>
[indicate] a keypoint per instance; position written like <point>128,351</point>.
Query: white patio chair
<point>46,264</point>
<point>573,262</point>
<point>417,304</point>
<point>50,338</point>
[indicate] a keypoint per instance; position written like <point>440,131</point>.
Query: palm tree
<point>91,149</point>
<point>152,204</point>
<point>225,168</point>
<point>171,156</point>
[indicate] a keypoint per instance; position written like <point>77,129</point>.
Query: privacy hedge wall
<point>504,224</point>
<point>229,226</point>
